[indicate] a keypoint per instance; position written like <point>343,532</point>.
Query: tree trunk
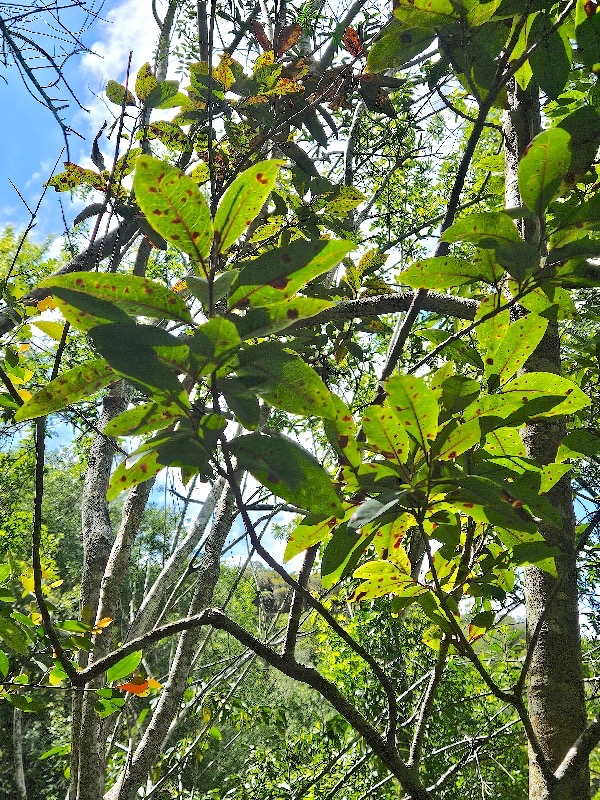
<point>555,689</point>
<point>18,754</point>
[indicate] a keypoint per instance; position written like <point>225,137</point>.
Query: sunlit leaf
<point>69,387</point>
<point>415,406</point>
<point>135,469</point>
<point>174,206</point>
<point>543,168</point>
<point>124,667</point>
<point>243,200</point>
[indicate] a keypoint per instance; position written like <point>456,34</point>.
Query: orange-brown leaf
<point>287,38</point>
<point>352,43</point>
<point>134,688</point>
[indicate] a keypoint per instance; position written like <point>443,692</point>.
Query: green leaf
<point>521,339</point>
<point>491,332</point>
<point>174,206</point>
<point>538,394</point>
<point>429,14</point>
<point>213,343</point>
<point>278,274</point>
<point>442,272</point>
<point>505,442</point>
<point>69,387</point>
<point>341,555</point>
<point>117,93</point>
<point>12,634</point>
<point>458,392</point>
<point>129,351</point>
<point>242,403</point>
<point>220,289</point>
<point>551,59</point>
<point>258,322</point>
<point>136,296</point>
<point>285,381</point>
<point>289,471</point>
<point>75,176</point>
<point>243,200</point>
<point>124,667</point>
<point>84,312</point>
<point>137,468</point>
<point>581,442</point>
<point>456,438</point>
<point>543,168</point>
<point>397,48</point>
<point>144,418</point>
<point>415,406</point>
<point>4,665</point>
<point>165,95</point>
<point>307,534</point>
<point>385,433</point>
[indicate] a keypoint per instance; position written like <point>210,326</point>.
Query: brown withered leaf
<point>261,36</point>
<point>287,38</point>
<point>352,43</point>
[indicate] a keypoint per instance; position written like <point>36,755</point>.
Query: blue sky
<point>30,139</point>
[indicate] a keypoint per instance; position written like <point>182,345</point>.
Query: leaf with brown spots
<point>137,468</point>
<point>385,433</point>
<point>69,387</point>
<point>174,206</point>
<point>307,534</point>
<point>117,93</point>
<point>279,315</point>
<point>287,38</point>
<point>243,201</point>
<point>289,471</point>
<point>415,406</point>
<point>389,537</point>
<point>455,438</point>
<point>279,274</point>
<point>520,340</point>
<point>145,81</point>
<point>352,43</point>
<point>133,295</point>
<point>75,176</point>
<point>145,418</point>
<point>441,272</point>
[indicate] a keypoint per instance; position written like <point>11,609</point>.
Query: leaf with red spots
<point>352,43</point>
<point>415,406</point>
<point>279,274</point>
<point>385,433</point>
<point>310,531</point>
<point>287,38</point>
<point>280,315</point>
<point>388,538</point>
<point>285,381</point>
<point>139,467</point>
<point>145,418</point>
<point>384,577</point>
<point>174,206</point>
<point>261,36</point>
<point>69,387</point>
<point>341,433</point>
<point>289,471</point>
<point>243,201</point>
<point>520,340</point>
<point>482,500</point>
<point>455,438</point>
<point>129,293</point>
<point>505,442</point>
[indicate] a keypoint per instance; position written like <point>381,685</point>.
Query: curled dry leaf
<point>261,36</point>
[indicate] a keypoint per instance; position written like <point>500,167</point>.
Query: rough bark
<point>18,760</point>
<point>555,689</point>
